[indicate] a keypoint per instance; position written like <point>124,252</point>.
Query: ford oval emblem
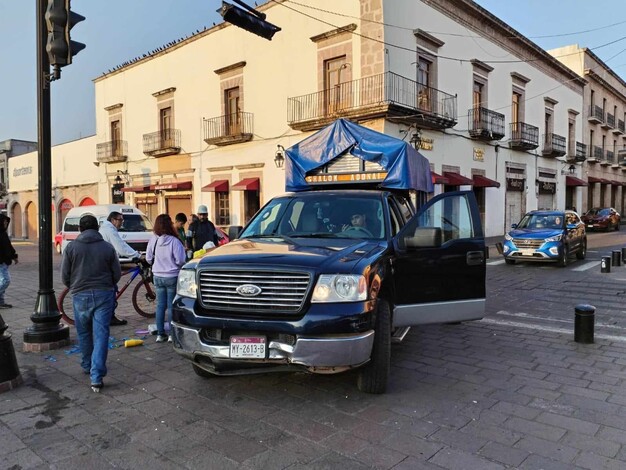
<point>248,290</point>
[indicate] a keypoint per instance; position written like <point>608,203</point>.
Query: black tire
<point>66,308</point>
<point>582,252</point>
<point>144,299</point>
<point>564,258</point>
<point>373,377</point>
<point>200,371</point>
<point>509,261</point>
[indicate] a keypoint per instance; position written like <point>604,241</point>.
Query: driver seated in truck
<point>357,226</point>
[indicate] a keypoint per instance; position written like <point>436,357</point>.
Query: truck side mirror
<point>234,231</point>
<point>425,237</point>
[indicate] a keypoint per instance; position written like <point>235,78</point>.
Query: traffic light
<point>251,21</point>
<point>59,20</point>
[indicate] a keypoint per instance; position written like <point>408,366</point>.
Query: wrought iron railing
<point>523,133</point>
<point>609,156</point>
<point>610,120</point>
<point>166,139</point>
<point>229,125</point>
<point>581,151</point>
<point>621,154</point>
<point>597,152</point>
<point>112,151</point>
<point>485,121</point>
<point>385,88</point>
<point>596,112</point>
<point>620,126</point>
<point>553,144</point>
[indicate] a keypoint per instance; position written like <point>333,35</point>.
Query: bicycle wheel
<point>66,307</point>
<point>144,299</point>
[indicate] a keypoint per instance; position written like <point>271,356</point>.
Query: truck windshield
<point>136,223</point>
<point>325,216</point>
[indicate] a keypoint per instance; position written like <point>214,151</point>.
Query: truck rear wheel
<point>373,377</point>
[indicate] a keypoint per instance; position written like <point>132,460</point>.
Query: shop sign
<point>117,195</point>
<point>479,154</point>
<point>515,184</point>
<point>25,170</point>
<point>547,187</point>
<point>426,143</point>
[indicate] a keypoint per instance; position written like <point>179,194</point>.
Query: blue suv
<point>546,236</point>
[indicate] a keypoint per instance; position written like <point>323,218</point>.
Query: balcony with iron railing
<point>385,95</point>
<point>596,154</point>
<point>619,129</point>
<point>581,152</point>
<point>162,143</point>
<point>596,114</point>
<point>609,158</point>
<point>112,151</point>
<point>553,145</point>
<point>229,129</point>
<point>621,154</point>
<point>523,136</point>
<point>610,121</point>
<point>485,124</point>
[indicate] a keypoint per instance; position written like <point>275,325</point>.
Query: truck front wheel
<point>200,371</point>
<point>373,377</point>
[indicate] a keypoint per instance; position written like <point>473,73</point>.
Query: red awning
<point>217,186</point>
<point>136,189</point>
<point>247,184</point>
<point>481,181</point>
<point>438,179</point>
<point>455,179</point>
<point>172,186</point>
<point>593,179</point>
<point>573,181</point>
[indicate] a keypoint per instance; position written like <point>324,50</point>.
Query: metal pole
<point>46,327</point>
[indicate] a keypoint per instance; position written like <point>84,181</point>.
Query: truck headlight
<point>340,288</point>
<point>186,285</point>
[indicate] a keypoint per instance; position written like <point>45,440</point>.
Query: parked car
<point>546,236</point>
<point>58,241</point>
<point>602,218</point>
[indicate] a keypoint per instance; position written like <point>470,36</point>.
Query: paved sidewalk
<point>470,396</point>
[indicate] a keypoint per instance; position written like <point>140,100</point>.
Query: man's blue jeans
<point>165,292</point>
<point>92,316</point>
<point>5,280</point>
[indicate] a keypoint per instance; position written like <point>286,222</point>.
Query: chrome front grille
<point>280,292</point>
<point>533,243</point>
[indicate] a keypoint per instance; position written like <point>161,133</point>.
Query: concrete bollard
<point>605,264</point>
<point>10,376</point>
<point>616,258</point>
<point>584,318</point>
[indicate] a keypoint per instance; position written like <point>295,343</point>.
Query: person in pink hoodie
<point>166,254</point>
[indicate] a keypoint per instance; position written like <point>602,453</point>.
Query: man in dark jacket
<point>7,256</point>
<point>91,269</point>
<point>202,230</point>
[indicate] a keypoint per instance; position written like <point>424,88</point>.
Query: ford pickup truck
<point>325,277</point>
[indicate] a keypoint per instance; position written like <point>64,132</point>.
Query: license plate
<point>527,252</point>
<point>247,347</point>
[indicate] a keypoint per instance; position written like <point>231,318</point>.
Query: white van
<point>136,229</point>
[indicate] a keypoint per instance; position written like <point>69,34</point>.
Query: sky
<point>119,30</point>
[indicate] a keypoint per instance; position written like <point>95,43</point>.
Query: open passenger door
<point>440,263</point>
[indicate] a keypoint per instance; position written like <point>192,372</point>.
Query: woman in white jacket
<point>166,254</point>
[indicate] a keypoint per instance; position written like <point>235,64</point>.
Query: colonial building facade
<point>604,128</point>
<point>205,119</point>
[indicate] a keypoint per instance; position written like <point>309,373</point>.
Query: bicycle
<point>144,295</point>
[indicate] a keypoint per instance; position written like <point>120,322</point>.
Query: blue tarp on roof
<point>406,168</point>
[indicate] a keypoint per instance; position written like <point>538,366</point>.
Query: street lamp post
<point>46,332</point>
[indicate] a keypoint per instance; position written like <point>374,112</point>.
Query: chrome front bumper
<point>326,354</point>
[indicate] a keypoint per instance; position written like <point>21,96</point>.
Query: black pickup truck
<point>323,280</point>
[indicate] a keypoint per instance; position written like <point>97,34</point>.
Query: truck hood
<point>321,254</point>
